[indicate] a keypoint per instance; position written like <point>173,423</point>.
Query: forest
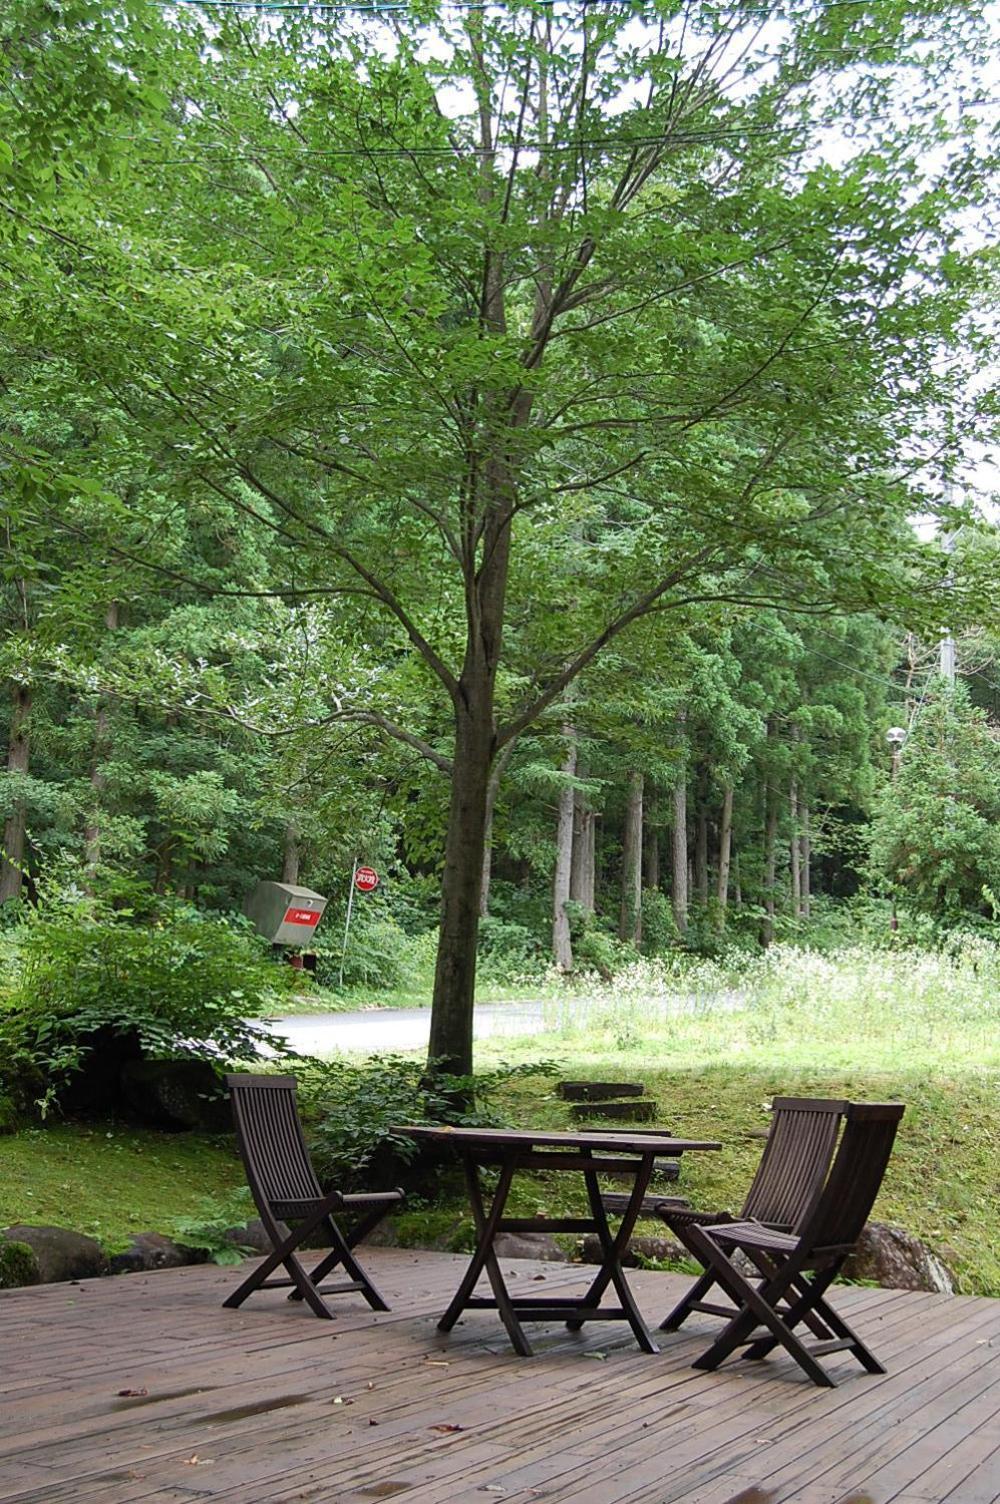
<point>540,451</point>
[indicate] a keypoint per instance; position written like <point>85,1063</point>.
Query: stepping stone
<point>598,1091</point>
<point>643,1110</point>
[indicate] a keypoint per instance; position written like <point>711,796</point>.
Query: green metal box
<point>284,913</point>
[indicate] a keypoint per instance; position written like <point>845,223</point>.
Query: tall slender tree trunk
<point>630,916</point>
<point>679,849</point>
<point>18,760</point>
<point>581,877</point>
<point>795,868</point>
<point>562,948</point>
<point>806,864</point>
<point>725,849</point>
<point>770,851</point>
<point>737,887</point>
<point>701,851</point>
<point>581,874</point>
<point>650,852</point>
<point>98,774</point>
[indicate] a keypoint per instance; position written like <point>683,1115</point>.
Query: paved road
<point>384,1030</point>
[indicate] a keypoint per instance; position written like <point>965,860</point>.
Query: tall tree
<point>516,327</point>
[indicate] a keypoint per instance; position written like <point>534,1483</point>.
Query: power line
<point>706,137</point>
<point>344,7</point>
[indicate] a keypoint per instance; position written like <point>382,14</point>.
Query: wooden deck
<point>269,1404</point>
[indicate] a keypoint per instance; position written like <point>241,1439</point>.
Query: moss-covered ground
<point>110,1181</point>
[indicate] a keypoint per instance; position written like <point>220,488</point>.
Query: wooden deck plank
<point>729,1432</point>
<point>241,1406</point>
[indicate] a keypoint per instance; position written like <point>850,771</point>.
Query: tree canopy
<point>378,372</point>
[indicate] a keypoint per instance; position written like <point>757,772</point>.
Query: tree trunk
<point>562,949</point>
<point>737,888</point>
<point>581,874</point>
<point>651,854</point>
<point>98,776</point>
<point>770,847</point>
<point>291,853</point>
<point>450,1045</point>
<point>18,754</point>
<point>795,870</point>
<point>492,794</point>
<point>679,883</point>
<point>630,915</point>
<point>701,852</point>
<point>725,849</point>
<point>581,879</point>
<point>806,863</point>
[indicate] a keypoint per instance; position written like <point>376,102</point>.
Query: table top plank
<point>618,1142</point>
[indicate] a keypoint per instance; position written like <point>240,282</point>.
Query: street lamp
<point>896,737</point>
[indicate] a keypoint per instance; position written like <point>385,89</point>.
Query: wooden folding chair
<point>285,1189</point>
<point>795,1270</point>
<point>792,1168</point>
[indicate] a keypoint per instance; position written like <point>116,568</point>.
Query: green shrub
<point>508,951</point>
<point>85,976</point>
<point>18,1265</point>
<point>354,1106</point>
<point>381,956</point>
<point>205,1230</point>
<point>659,932</point>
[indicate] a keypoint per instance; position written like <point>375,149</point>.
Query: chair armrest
<point>372,1198</point>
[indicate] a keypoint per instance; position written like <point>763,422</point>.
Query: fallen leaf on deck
<point>601,1357</point>
<point>372,1422</point>
<point>131,1394</point>
<point>340,1400</point>
<point>445,1426</point>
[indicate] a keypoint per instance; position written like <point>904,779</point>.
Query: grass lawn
<point>712,1046</point>
<point>111,1181</point>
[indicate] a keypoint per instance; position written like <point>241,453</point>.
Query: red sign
<point>307,917</point>
<point>366,879</point>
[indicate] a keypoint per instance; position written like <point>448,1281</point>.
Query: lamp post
<point>896,737</point>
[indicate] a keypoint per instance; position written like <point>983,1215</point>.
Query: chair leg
<point>682,1310</point>
<point>811,1302</point>
<point>756,1309</point>
<point>340,1253</point>
<point>304,1286</point>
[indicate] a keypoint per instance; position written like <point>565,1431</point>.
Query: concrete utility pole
<point>947,663</point>
<point>896,737</point>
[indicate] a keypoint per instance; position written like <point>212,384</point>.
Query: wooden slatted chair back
<point>843,1205</point>
<point>795,1161</point>
<point>271,1143</point>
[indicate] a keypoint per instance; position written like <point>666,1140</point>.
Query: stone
<point>60,1253</point>
<point>662,1250</point>
<point>529,1245</point>
<point>18,1265</point>
<point>897,1260</point>
<point>176,1094</point>
<point>146,1251</point>
<point>632,1110</point>
<point>252,1235</point>
<point>384,1235</point>
<point>598,1091</point>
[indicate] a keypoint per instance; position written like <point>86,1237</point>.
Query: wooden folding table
<point>622,1154</point>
